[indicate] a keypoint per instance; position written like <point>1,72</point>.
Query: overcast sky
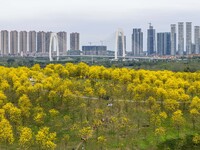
<point>96,20</point>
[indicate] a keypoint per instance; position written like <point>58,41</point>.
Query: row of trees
<point>71,105</point>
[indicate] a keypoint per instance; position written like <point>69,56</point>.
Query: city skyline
<point>96,20</point>
<point>191,46</point>
<point>24,43</point>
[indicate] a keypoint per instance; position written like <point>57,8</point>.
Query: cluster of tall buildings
<point>167,43</point>
<point>178,41</point>
<point>29,43</point>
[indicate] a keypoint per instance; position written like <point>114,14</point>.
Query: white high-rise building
<point>120,44</point>
<point>188,38</point>
<point>180,38</point>
<point>173,39</point>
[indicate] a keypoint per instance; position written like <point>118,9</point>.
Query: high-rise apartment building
<point>197,39</point>
<point>32,41</point>
<point>188,38</point>
<point>4,42</point>
<point>41,42</point>
<point>120,45</point>
<point>47,41</point>
<point>137,42</point>
<point>23,44</point>
<point>151,40</point>
<point>180,38</point>
<point>164,43</point>
<point>74,41</point>
<point>173,39</point>
<point>13,42</point>
<point>62,41</point>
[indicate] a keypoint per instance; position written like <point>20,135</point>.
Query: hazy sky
<point>96,20</point>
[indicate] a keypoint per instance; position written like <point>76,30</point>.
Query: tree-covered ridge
<point>70,106</point>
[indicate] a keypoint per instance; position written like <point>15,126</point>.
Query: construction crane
<point>101,43</point>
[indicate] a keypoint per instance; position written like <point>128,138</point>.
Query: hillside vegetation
<point>92,107</point>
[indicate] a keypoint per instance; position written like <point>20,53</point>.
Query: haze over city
<point>96,20</point>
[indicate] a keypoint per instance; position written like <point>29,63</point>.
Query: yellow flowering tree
<point>45,139</point>
<point>178,120</point>
<point>53,113</point>
<point>25,138</point>
<point>171,105</point>
<point>25,105</point>
<point>3,98</point>
<point>6,132</point>
<point>39,115</point>
<point>65,140</point>
<point>102,141</point>
<point>196,139</point>
<point>13,113</point>
<point>86,133</point>
<point>159,132</point>
<point>194,110</point>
